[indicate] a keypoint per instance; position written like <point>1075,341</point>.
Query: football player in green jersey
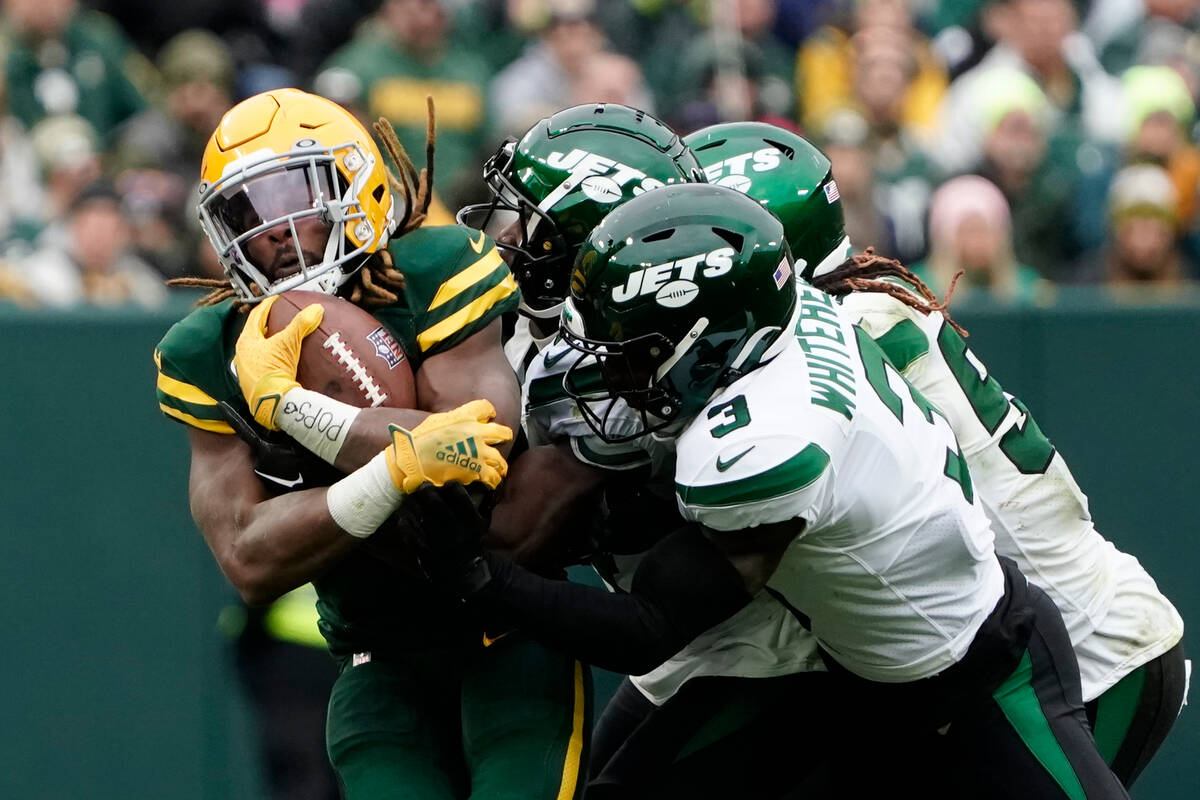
<point>1127,636</point>
<point>295,194</point>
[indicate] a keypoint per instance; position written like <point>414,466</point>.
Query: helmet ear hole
<point>659,236</point>
<point>788,151</point>
<point>735,240</point>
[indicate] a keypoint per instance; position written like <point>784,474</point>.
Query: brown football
<point>352,357</point>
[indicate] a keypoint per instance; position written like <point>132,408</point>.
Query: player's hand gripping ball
<point>325,344</point>
<point>266,365</point>
<point>351,357</point>
<point>450,446</point>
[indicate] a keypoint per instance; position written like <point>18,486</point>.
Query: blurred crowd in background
<point>1031,143</point>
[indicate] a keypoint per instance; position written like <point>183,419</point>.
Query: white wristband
<point>319,423</point>
<point>361,501</point>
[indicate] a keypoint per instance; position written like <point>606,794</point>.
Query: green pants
<point>1132,718</point>
<point>511,720</point>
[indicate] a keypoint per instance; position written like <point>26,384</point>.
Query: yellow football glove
<point>451,446</point>
<point>266,365</point>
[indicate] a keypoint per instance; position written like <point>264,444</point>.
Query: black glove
<point>281,464</point>
<point>447,532</point>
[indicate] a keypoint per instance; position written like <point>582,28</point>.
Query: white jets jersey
<point>550,415</point>
<point>762,640</point>
<point>1117,618</point>
<point>895,566</point>
<point>523,346</point>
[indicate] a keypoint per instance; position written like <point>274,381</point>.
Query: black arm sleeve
<point>683,587</point>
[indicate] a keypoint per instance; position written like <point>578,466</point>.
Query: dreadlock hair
<point>862,273</point>
<point>378,282</point>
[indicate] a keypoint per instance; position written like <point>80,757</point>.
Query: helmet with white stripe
<point>555,184</point>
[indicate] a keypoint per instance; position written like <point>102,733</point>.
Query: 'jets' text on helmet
<point>559,181</point>
<point>787,174</point>
<point>293,194</point>
<point>675,294</point>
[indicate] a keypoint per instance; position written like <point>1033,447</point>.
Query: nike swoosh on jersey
<point>287,483</point>
<point>477,246</point>
<point>724,465</point>
<point>552,358</point>
<point>488,641</point>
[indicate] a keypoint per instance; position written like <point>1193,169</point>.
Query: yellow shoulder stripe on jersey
<point>467,314</point>
<point>467,278</point>
<point>212,425</point>
<point>572,764</point>
<point>184,391</point>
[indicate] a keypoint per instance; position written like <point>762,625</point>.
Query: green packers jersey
<point>455,285</point>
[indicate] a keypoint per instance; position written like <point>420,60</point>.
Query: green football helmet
<point>787,174</point>
<point>561,178</point>
<point>675,294</point>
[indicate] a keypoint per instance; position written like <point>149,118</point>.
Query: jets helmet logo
<point>735,172</point>
<point>601,179</point>
<point>673,283</point>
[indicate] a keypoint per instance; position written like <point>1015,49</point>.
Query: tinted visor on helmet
<point>276,203</point>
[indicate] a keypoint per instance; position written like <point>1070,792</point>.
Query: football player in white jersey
<point>555,183</point>
<point>812,471</point>
<point>1127,636</point>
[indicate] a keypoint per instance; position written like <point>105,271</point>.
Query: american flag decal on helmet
<point>782,273</point>
<point>386,346</point>
<point>832,194</point>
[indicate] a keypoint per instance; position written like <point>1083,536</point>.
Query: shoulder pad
<point>550,414</point>
<point>596,452</point>
<point>751,481</point>
<point>875,312</point>
<point>456,283</point>
<point>193,369</point>
<point>901,331</point>
<point>754,455</point>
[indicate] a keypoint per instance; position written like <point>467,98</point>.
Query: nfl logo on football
<point>386,346</point>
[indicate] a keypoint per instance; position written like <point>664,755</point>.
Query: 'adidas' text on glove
<point>450,446</point>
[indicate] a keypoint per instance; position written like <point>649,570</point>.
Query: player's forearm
<point>369,434</point>
<point>269,546</point>
<point>285,542</point>
<point>338,433</point>
<point>683,587</point>
<point>544,487</point>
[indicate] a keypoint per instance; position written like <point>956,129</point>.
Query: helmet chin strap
<point>548,313</point>
<point>689,340</point>
<point>325,283</point>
